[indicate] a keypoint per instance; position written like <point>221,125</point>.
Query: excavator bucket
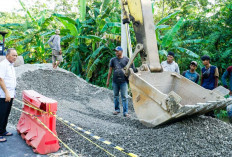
<point>165,96</point>
<point>160,97</point>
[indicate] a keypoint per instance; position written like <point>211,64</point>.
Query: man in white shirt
<point>170,64</point>
<point>7,90</point>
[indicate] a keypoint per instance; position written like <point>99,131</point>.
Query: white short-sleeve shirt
<point>173,67</point>
<point>7,73</point>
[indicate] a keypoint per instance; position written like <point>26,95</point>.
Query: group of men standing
<point>209,73</point>
<point>209,76</point>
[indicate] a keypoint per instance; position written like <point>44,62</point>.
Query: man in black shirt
<point>120,81</point>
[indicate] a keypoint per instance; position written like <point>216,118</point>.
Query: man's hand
<point>8,98</point>
<point>108,77</point>
<point>60,52</point>
<point>107,83</point>
<point>3,86</point>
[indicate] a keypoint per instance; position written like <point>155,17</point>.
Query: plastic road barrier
<point>34,132</point>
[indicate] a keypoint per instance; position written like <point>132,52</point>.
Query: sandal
<point>2,139</point>
<point>126,115</point>
<point>6,134</point>
<point>115,113</point>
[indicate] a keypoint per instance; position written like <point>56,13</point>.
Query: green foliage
<point>87,47</point>
<point>82,8</point>
<point>110,24</point>
<point>168,38</point>
<point>165,19</point>
<point>221,114</point>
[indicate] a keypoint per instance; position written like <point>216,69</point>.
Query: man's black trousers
<point>5,108</point>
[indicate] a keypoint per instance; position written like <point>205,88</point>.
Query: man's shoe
<point>126,115</point>
<point>115,113</point>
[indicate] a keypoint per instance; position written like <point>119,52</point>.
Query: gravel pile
<point>91,107</point>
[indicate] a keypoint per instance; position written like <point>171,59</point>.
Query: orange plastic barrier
<point>31,130</point>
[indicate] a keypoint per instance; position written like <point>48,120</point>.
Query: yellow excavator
<point>160,96</point>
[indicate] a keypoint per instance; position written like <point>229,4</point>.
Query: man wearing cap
<point>120,81</point>
<point>54,43</point>
<point>191,74</point>
<point>7,90</point>
<point>209,77</point>
<point>170,64</point>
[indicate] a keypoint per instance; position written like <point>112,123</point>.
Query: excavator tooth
<point>198,109</point>
<point>185,110</point>
<point>206,106</point>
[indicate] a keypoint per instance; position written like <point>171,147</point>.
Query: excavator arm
<point>140,13</point>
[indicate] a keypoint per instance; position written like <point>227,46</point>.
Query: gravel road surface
<point>90,107</point>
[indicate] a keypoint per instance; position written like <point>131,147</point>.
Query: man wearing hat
<point>170,64</point>
<point>120,81</point>
<point>191,74</point>
<point>209,77</point>
<point>54,43</point>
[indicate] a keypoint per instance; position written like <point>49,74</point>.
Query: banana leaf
<point>110,24</point>
<point>169,36</point>
<point>165,19</point>
<point>189,52</point>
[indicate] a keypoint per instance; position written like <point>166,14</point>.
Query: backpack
<point>120,72</point>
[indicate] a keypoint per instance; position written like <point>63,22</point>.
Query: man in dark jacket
<point>119,81</point>
<point>209,77</point>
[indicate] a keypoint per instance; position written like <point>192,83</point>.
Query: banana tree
<point>170,40</point>
<point>86,40</point>
<point>28,38</point>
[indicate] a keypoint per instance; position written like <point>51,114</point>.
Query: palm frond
<point>168,38</point>
<point>93,68</point>
<point>93,56</point>
<point>187,51</point>
<point>165,19</point>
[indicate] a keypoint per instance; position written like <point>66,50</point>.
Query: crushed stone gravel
<point>90,107</point>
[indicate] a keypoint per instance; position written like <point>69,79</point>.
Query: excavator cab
<point>159,96</point>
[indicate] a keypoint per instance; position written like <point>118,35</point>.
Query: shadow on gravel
<point>119,119</point>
